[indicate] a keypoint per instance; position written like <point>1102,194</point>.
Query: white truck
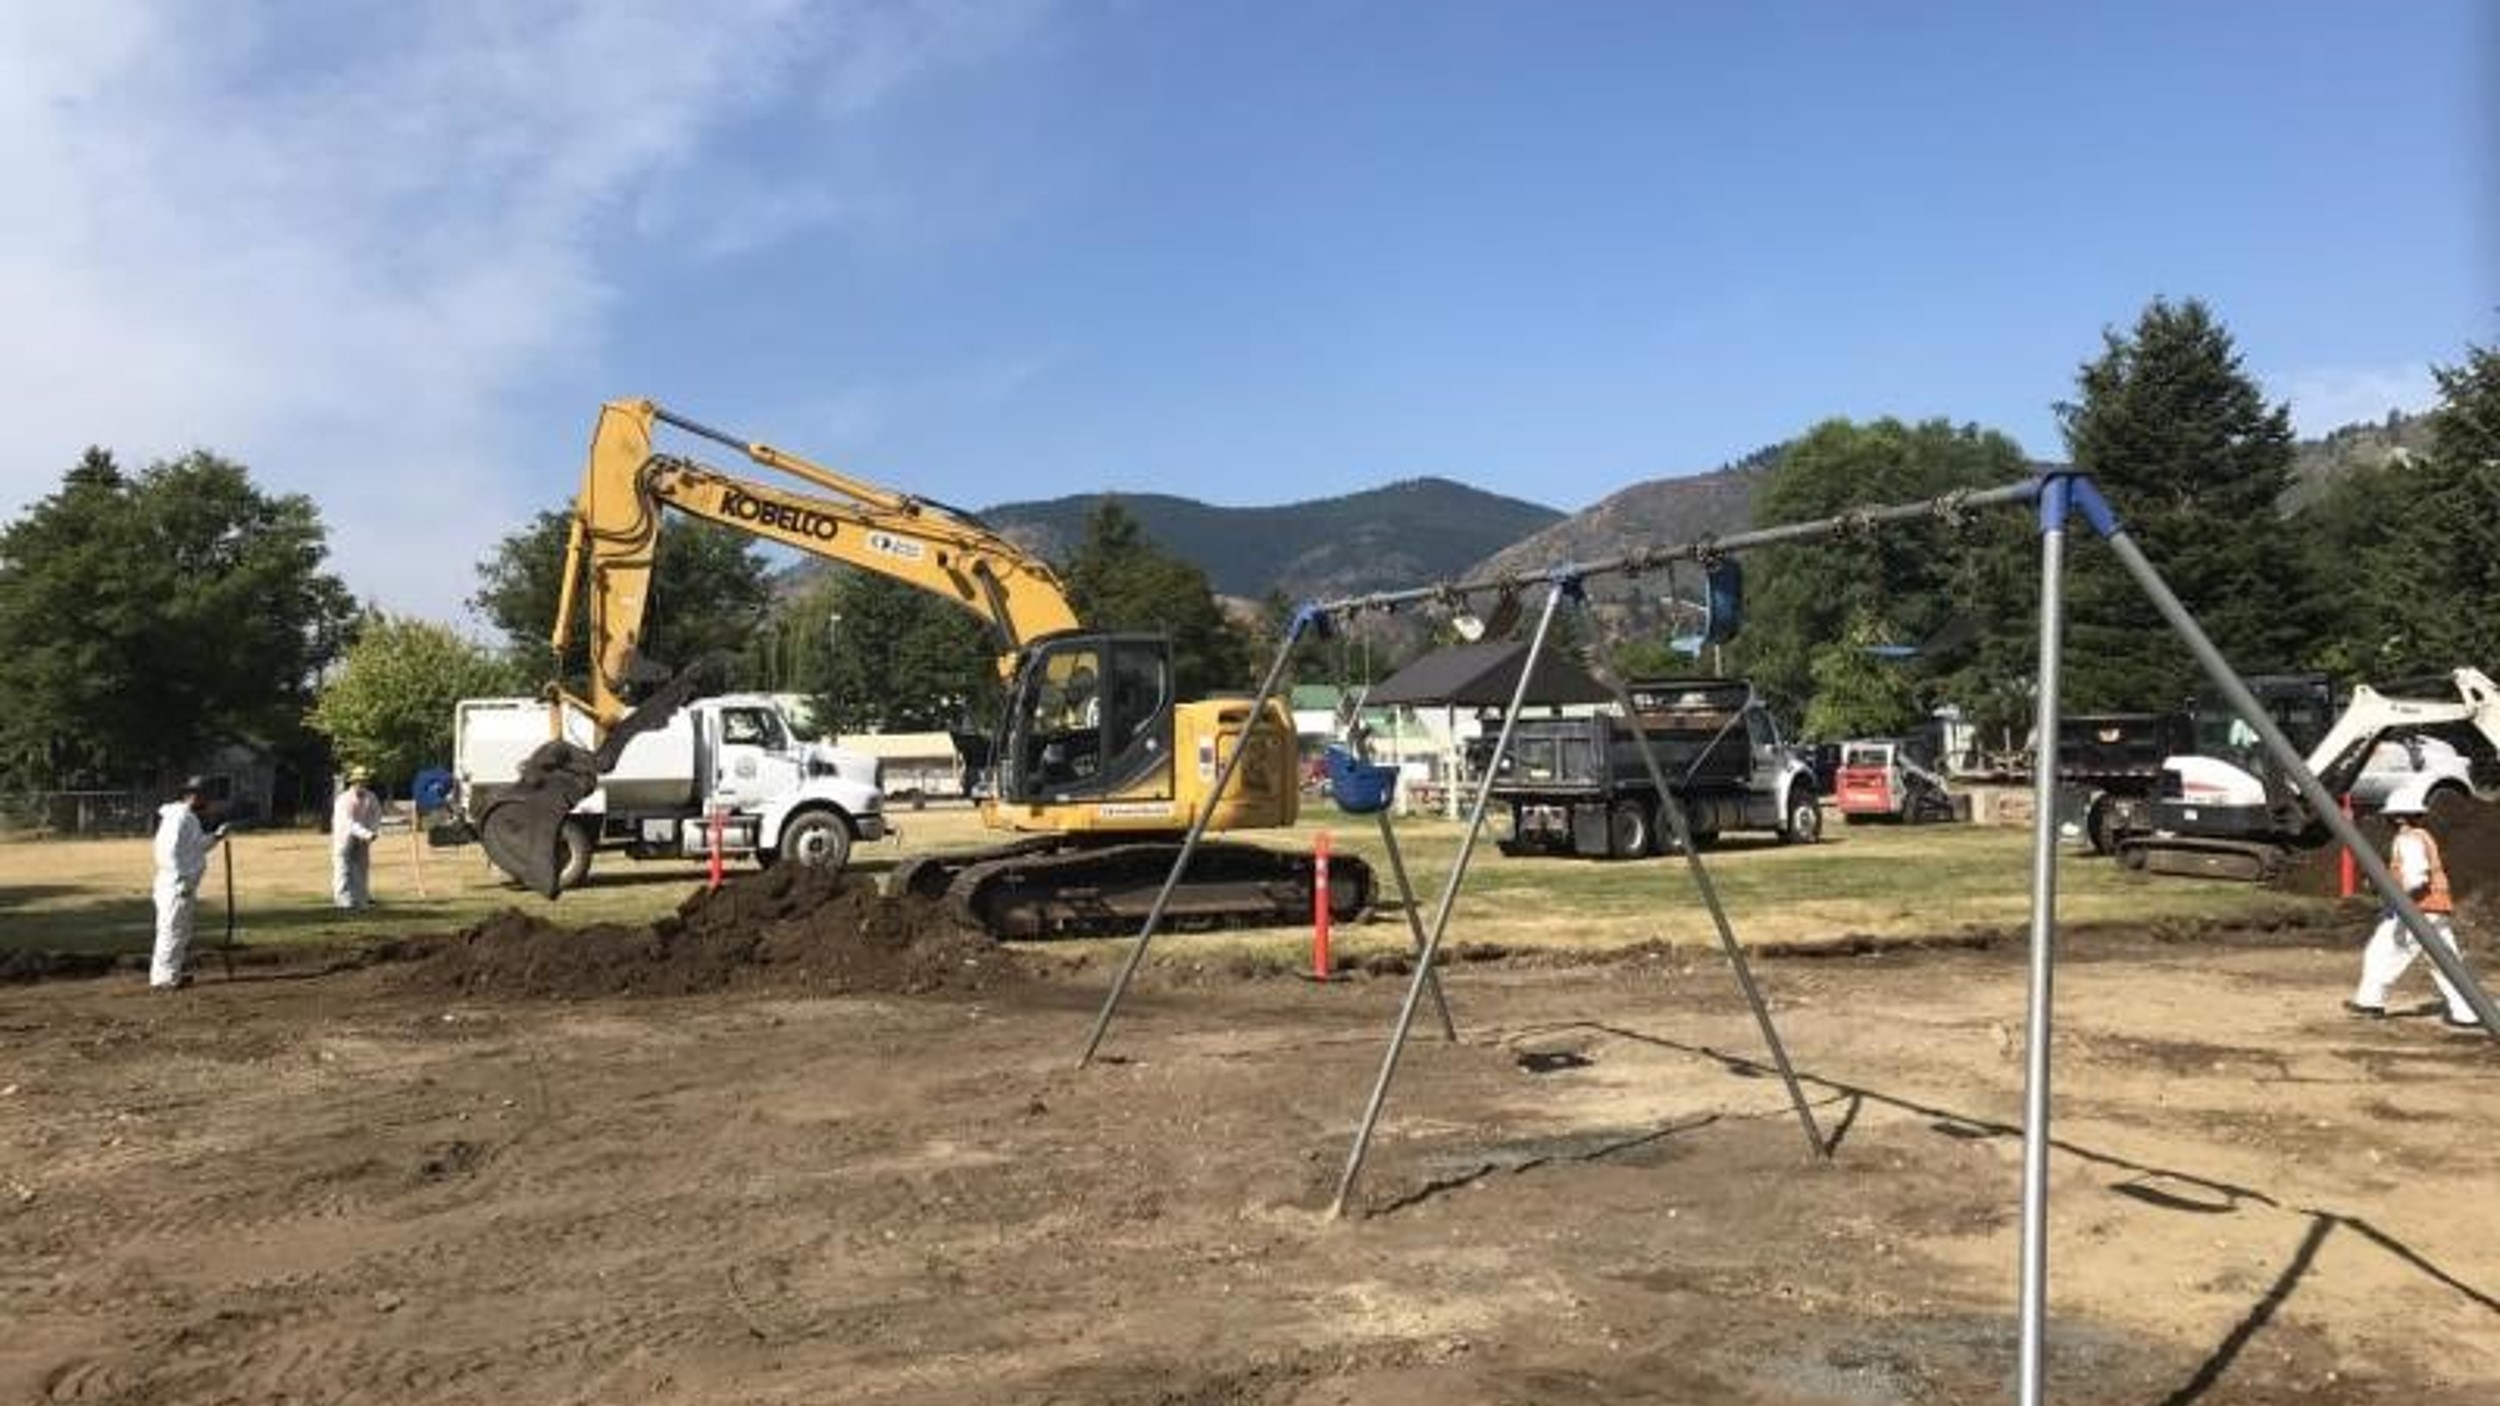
<point>735,755</point>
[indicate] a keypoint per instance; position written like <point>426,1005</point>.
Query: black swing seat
<point>1359,787</point>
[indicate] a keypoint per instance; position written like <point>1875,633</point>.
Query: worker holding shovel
<point>355,820</point>
<point>182,846</point>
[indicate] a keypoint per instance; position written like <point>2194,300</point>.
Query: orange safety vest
<point>2438,900</point>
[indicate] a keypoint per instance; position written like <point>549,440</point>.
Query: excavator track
<point>2198,857</point>
<point>1046,888</point>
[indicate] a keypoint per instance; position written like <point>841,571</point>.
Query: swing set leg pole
<point>1441,917</point>
<point>1415,924</point>
<point>1735,952</point>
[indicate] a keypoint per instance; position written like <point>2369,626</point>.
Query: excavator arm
<point>627,485</point>
<point>2372,715</point>
<point>613,546</point>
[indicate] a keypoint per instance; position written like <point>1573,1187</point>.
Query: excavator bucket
<point>523,830</point>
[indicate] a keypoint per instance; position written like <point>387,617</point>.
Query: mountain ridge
<point>1413,529</point>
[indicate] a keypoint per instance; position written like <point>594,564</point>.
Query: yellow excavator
<point>1094,762</point>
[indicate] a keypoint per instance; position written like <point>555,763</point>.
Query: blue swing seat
<point>1359,787</point>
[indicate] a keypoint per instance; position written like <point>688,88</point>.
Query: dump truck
<point>1579,786</point>
<point>2109,765</point>
<point>733,758</point>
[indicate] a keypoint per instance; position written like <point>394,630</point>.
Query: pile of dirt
<point>788,927</point>
<point>25,966</point>
<point>2468,831</point>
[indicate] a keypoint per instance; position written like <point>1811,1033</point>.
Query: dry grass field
<point>1878,881</point>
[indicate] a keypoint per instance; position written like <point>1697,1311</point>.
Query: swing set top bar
<point>1950,508</point>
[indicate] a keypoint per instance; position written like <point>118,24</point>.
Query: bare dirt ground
<point>851,1159</point>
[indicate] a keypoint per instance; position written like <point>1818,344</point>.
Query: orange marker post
<point>1322,966</point>
<point>715,836</point>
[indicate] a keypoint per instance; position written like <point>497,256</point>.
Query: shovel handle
<point>226,849</point>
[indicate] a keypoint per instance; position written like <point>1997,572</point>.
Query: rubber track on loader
<point>1037,891</point>
<point>2247,861</point>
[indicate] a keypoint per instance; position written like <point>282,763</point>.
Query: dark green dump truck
<point>1578,785</point>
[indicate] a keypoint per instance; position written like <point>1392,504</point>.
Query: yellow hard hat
<point>360,773</point>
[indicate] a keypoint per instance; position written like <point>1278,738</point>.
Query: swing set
<point>2057,498</point>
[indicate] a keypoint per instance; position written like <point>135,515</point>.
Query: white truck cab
<point>735,756</point>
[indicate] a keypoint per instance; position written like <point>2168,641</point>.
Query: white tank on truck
<point>779,798</point>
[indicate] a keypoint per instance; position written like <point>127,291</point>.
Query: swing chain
<point>1953,510</point>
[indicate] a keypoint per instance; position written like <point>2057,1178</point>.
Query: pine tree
<point>1119,580</point>
<point>2440,567</point>
<point>2195,463</point>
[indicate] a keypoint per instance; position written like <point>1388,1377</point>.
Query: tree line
<point>2381,577</point>
<point>150,616</point>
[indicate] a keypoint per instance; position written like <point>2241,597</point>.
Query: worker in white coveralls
<point>2414,859</point>
<point>355,819</point>
<point>182,846</point>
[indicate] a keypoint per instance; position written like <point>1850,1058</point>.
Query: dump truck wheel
<point>2100,824</point>
<point>1805,820</point>
<point>1627,829</point>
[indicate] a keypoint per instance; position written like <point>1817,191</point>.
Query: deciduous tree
<point>897,659</point>
<point>148,618</point>
<point>1858,692</point>
<point>1920,583</point>
<point>710,589</point>
<point>389,705</point>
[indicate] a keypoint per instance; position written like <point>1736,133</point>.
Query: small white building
<point>912,764</point>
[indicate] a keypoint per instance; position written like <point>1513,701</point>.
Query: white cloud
<point>2330,398</point>
<point>326,239</point>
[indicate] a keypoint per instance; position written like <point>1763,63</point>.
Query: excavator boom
<point>2474,703</point>
<point>618,518</point>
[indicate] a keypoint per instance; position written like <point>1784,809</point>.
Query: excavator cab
<point>1089,716</point>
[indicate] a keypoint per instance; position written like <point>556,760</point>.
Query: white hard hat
<point>2411,798</point>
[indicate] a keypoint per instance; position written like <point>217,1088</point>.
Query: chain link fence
<point>87,814</point>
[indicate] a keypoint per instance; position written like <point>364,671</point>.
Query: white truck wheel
<point>818,839</point>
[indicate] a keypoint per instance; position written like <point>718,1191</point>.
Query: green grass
<point>1881,881</point>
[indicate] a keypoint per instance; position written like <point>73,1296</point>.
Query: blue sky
<point>393,256</point>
